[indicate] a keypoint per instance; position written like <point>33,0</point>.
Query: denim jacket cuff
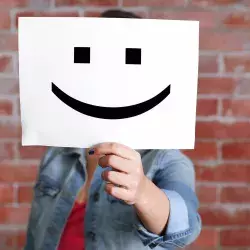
<point>178,220</point>
<point>177,227</point>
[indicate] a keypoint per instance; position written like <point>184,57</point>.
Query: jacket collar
<point>80,152</point>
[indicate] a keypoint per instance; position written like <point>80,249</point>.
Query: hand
<point>91,159</point>
<point>127,180</point>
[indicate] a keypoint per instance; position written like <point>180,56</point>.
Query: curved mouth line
<point>110,112</point>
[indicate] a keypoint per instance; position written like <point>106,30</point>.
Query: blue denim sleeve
<point>29,245</point>
<point>176,178</point>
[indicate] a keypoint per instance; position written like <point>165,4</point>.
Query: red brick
<point>8,41</point>
<point>238,108</point>
<point>21,239</point>
<point>31,152</point>
<point>12,239</point>
<point>13,3</point>
<point>194,247</point>
<point>216,85</point>
<point>4,19</point>
<point>219,130</point>
<point>203,151</point>
<point>6,193</point>
<point>223,217</point>
<point>14,215</point>
<point>25,194</point>
<point>87,2</point>
<point>17,173</point>
<point>207,107</point>
<point>46,14</point>
<point>235,237</point>
<point>236,20</point>
<point>8,239</point>
<point>92,13</point>
<point>224,173</point>
<point>6,64</point>
<point>206,194</point>
<point>235,194</point>
<point>236,151</point>
<point>9,86</point>
<point>6,107</point>
<point>237,64</point>
<point>9,130</point>
<point>6,151</point>
<point>224,41</point>
<point>206,19</point>
<point>208,64</point>
<point>205,3</point>
<point>207,238</point>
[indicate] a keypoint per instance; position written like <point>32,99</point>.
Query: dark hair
<point>118,14</point>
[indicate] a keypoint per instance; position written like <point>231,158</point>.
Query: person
<point>113,197</point>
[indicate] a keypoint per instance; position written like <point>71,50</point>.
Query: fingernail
<point>91,151</point>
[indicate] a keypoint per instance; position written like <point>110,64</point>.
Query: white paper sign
<point>85,81</point>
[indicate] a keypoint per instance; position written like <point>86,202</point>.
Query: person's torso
<point>109,223</point>
<point>72,237</point>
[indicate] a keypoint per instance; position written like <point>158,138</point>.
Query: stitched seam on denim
<point>176,236</point>
<point>44,242</point>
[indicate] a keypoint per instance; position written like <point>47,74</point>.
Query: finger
<point>116,162</point>
<point>118,192</point>
<point>91,159</point>
<point>118,178</point>
<point>116,149</point>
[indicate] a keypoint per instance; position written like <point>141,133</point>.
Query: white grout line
<point>13,228</point>
<point>25,184</point>
<point>222,184</point>
<point>222,119</point>
<point>228,227</point>
<point>120,3</point>
<point>21,184</point>
<point>12,20</point>
<point>228,207</point>
<point>224,96</point>
<point>19,205</point>
<point>221,64</point>
<point>15,186</point>
<point>23,162</point>
<point>215,163</point>
<point>52,4</point>
<point>224,53</point>
<point>225,75</point>
<point>236,53</point>
<point>64,9</point>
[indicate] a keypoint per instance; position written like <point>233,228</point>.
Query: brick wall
<point>222,154</point>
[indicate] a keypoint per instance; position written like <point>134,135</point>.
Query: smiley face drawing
<point>82,55</point>
<point>132,81</point>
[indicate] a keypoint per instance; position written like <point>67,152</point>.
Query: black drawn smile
<point>110,112</point>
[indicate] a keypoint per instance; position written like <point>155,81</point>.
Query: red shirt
<point>73,234</point>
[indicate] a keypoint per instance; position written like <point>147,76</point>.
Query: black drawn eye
<point>133,56</point>
<point>81,54</point>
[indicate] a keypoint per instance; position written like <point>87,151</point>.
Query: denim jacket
<point>111,224</point>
